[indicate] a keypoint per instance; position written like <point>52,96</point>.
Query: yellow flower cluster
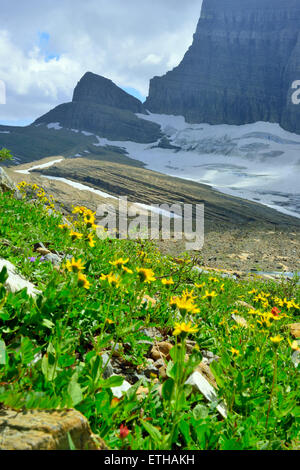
<point>185,303</point>
<point>39,192</point>
<point>85,224</point>
<point>112,279</point>
<point>266,300</point>
<point>76,267</point>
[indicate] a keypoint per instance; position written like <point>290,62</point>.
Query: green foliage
<point>5,155</point>
<point>52,346</point>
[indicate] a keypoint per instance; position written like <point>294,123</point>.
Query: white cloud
<point>128,42</point>
<point>152,59</point>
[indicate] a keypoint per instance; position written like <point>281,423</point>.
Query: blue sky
<point>46,47</point>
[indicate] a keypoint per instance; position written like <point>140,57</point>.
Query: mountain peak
<point>96,89</point>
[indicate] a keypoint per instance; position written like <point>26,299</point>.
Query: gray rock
<point>202,385</point>
<point>109,370</point>
<point>53,258</point>
<point>118,391</point>
<point>159,363</point>
<point>150,368</point>
<point>209,357</point>
<point>46,430</point>
<point>296,358</point>
<point>18,195</point>
<point>6,184</point>
<point>152,332</point>
<point>15,281</point>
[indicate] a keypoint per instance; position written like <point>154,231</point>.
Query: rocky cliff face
<point>244,58</point>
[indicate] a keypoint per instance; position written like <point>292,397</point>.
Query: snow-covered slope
<point>258,162</point>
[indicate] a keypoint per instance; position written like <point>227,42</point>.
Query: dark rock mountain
<point>240,68</point>
<point>100,90</point>
<point>105,121</point>
<point>99,106</point>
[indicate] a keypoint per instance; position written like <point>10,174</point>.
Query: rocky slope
<point>240,67</point>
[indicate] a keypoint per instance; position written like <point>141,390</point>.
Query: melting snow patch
<point>54,125</point>
<point>44,165</point>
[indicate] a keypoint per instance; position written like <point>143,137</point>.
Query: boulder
<point>46,430</point>
<point>294,329</point>
<point>6,183</point>
<point>15,281</point>
<point>201,384</point>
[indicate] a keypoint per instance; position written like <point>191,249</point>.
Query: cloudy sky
<point>47,45</point>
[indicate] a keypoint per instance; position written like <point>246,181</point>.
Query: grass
<point>51,347</point>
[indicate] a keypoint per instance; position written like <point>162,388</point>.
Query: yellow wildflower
<point>111,278</point>
<point>127,270</point>
<point>91,240</point>
<point>209,295</point>
<point>82,281</point>
<point>253,291</point>
<point>119,263</point>
<point>75,235</point>
<point>276,339</point>
<point>75,266</point>
<point>235,352</point>
<point>186,306</point>
<point>184,328</point>
<point>200,286</point>
<point>146,275</point>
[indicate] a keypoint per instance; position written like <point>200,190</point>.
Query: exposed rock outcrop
<point>6,184</point>
<point>46,430</point>
<point>15,282</point>
<point>240,68</point>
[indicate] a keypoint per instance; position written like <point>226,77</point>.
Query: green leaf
<point>152,431</point>
<point>231,444</point>
<point>114,381</point>
<point>3,275</point>
<point>217,372</point>
<point>71,443</point>
<point>167,389</point>
<point>171,370</point>
<point>184,427</point>
<point>49,368</point>
<point>75,392</point>
<point>200,412</point>
<point>47,323</point>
